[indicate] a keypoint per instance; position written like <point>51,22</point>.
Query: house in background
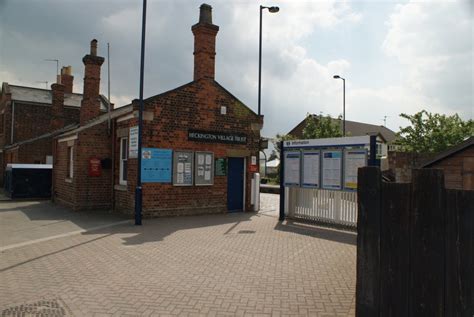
<point>30,117</point>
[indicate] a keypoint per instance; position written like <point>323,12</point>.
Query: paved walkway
<point>240,264</point>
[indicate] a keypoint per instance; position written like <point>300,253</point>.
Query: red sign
<point>253,168</point>
<point>95,169</point>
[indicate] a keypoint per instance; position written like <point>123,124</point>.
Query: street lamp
<point>271,10</point>
<point>138,188</point>
<point>343,103</point>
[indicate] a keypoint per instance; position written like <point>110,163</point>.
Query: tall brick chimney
<point>67,79</point>
<point>204,44</point>
<point>90,105</point>
<point>57,106</point>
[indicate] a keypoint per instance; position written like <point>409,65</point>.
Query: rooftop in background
<point>451,151</point>
<point>44,96</point>
<point>353,128</point>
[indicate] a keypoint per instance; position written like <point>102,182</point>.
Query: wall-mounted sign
<point>353,159</point>
<point>183,168</point>
<point>156,165</point>
<point>217,137</point>
<point>95,168</point>
<point>133,143</point>
<point>220,167</point>
<point>331,169</point>
<point>311,169</point>
<point>204,174</point>
<point>292,168</point>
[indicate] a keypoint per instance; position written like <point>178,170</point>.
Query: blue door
<point>235,184</point>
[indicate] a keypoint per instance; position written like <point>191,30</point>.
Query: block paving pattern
<point>242,264</point>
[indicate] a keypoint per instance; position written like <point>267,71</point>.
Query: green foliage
<point>432,132</point>
<point>318,127</point>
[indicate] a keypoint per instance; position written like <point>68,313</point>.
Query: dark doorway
<point>235,184</point>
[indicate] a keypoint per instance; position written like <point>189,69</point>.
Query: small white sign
<point>254,160</point>
<point>133,143</point>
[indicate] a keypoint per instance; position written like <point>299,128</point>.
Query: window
<point>123,161</point>
<point>70,162</point>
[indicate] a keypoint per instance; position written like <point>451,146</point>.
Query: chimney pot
<point>205,14</point>
<point>94,47</point>
<point>67,79</point>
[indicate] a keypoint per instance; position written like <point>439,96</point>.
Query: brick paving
<point>242,264</point>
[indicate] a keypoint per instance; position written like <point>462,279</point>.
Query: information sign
<point>353,159</point>
<point>183,162</point>
<point>311,169</point>
<point>331,169</point>
<point>204,174</point>
<point>221,167</point>
<point>292,168</point>
<point>133,143</point>
<point>156,165</point>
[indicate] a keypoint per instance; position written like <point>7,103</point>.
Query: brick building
<point>200,145</point>
<point>30,117</point>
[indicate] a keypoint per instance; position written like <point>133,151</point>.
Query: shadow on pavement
<point>317,231</point>
<point>156,229</point>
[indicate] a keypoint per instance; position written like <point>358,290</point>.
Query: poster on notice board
<point>156,165</point>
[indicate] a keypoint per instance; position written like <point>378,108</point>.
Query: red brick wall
<point>84,191</point>
<point>195,106</point>
<point>63,188</point>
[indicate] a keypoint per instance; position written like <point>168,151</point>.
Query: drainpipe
<point>13,122</point>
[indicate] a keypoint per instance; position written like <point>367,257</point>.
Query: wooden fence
<point>415,247</point>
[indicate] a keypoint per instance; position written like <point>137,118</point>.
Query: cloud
<point>434,46</point>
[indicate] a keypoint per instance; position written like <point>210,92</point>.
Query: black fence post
<point>282,182</point>
<point>427,251</point>
<point>368,242</point>
<point>373,150</point>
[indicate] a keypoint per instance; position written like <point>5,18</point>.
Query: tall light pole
<point>271,10</point>
<point>138,188</point>
<point>343,103</point>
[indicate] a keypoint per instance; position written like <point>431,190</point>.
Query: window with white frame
<point>70,162</point>
<point>123,161</point>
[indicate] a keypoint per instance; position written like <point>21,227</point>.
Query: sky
<point>396,56</point>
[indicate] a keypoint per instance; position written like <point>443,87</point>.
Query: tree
<point>433,132</point>
<point>318,127</point>
<point>276,142</point>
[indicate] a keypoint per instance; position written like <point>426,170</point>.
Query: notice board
<point>220,167</point>
<point>331,169</point>
<point>204,168</point>
<point>133,143</point>
<point>156,165</point>
<point>292,168</point>
<point>183,162</point>
<point>311,167</point>
<point>353,159</point>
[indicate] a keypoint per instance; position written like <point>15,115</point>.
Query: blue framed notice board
<point>156,165</point>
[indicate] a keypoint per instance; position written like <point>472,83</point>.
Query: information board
<point>220,167</point>
<point>156,165</point>
<point>311,169</point>
<point>331,169</point>
<point>353,159</point>
<point>133,143</point>
<point>204,171</point>
<point>292,168</point>
<point>183,162</point>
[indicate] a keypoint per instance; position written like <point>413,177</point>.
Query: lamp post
<point>138,188</point>
<point>271,10</point>
<point>343,103</point>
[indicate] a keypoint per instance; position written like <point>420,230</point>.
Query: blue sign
<point>156,165</point>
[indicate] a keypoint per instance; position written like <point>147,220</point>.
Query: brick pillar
<point>57,106</point>
<point>67,79</point>
<point>204,44</point>
<point>90,105</point>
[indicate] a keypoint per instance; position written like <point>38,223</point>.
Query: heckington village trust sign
<point>217,137</point>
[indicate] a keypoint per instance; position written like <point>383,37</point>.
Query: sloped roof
<point>451,151</point>
<point>44,96</point>
<point>353,128</point>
